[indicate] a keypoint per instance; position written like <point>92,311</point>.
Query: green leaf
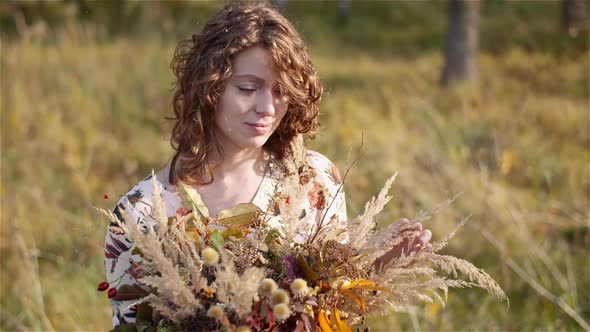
<point>166,326</point>
<point>272,239</point>
<point>127,327</point>
<point>217,240</point>
<point>263,312</point>
<point>144,326</point>
<point>136,251</point>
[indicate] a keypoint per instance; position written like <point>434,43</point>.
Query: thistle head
<point>267,286</point>
<point>299,287</point>
<point>209,256</point>
<point>279,296</point>
<point>215,312</point>
<point>281,311</point>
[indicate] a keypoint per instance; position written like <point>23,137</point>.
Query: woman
<point>245,91</point>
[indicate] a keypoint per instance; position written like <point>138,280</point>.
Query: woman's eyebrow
<point>255,78</point>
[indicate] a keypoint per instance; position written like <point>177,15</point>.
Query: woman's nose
<point>266,103</point>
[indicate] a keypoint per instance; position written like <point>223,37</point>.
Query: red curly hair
<point>202,66</point>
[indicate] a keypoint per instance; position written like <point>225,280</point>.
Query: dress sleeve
<point>327,196</point>
<point>121,265</point>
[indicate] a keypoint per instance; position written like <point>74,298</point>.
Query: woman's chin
<point>254,143</point>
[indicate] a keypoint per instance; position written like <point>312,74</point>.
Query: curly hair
<point>202,66</point>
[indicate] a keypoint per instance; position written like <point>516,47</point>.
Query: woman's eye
<point>247,89</point>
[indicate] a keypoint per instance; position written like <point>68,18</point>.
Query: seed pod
<point>103,286</point>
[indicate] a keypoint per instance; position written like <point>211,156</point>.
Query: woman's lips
<point>259,128</point>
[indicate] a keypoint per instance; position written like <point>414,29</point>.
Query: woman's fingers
<point>414,242</point>
<point>402,221</point>
<point>422,241</point>
<point>425,237</point>
<point>416,226</point>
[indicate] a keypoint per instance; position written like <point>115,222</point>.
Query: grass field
<point>82,115</point>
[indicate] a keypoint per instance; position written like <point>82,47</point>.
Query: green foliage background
<point>84,89</point>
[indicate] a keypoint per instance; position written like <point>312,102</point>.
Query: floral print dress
<point>325,202</point>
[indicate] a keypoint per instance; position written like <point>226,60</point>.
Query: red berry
<point>103,286</point>
<point>105,196</point>
<point>112,292</point>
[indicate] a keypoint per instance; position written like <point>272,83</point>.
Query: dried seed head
<point>215,312</point>
<point>279,296</point>
<point>210,256</point>
<point>281,311</point>
<point>267,286</point>
<point>299,287</point>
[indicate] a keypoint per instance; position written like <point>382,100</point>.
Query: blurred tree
<point>574,16</point>
<point>344,11</point>
<point>461,42</point>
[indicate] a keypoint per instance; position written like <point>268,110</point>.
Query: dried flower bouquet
<point>250,277</point>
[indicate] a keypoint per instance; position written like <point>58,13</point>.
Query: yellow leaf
<point>340,324</point>
<point>355,297</point>
<point>323,321</point>
<point>193,235</point>
<point>307,270</point>
<point>363,284</point>
<point>359,283</point>
<point>239,215</point>
<point>192,199</point>
<point>235,232</point>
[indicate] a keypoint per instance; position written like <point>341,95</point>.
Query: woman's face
<point>251,107</point>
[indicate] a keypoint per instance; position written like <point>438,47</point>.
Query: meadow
<point>82,116</point>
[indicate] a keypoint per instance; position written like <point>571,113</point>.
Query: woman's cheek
<point>279,120</point>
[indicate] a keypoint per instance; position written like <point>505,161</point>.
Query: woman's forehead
<point>254,63</point>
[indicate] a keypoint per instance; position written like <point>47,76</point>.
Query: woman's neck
<point>240,163</point>
<point>232,165</point>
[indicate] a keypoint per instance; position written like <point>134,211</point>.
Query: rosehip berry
<point>105,196</point>
<point>103,286</point>
<point>112,292</point>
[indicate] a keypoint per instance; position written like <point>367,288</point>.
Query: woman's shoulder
<point>138,200</point>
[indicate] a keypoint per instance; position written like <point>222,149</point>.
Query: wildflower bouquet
<point>250,277</point>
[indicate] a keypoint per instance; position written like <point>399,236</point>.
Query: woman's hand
<point>415,239</point>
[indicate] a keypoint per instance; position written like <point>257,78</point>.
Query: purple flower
<point>171,305</point>
<point>292,270</point>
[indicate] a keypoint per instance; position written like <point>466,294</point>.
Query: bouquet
<point>250,277</point>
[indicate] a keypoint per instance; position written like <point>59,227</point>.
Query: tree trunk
<point>461,42</point>
<point>344,11</point>
<point>574,16</point>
